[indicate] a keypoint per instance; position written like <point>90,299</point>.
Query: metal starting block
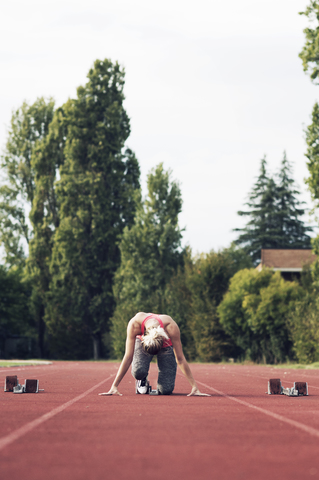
<point>153,392</point>
<point>30,386</point>
<point>11,381</point>
<point>19,389</point>
<point>275,388</point>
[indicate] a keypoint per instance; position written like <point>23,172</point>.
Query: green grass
<point>21,363</point>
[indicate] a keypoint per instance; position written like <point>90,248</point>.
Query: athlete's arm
<point>132,331</point>
<point>174,334</point>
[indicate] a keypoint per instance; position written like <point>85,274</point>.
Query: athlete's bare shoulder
<point>134,325</point>
<point>169,324</point>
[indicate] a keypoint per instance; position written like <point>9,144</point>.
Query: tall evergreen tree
<point>150,254</point>
<point>260,228</point>
<point>292,231</point>
<point>29,125</point>
<point>95,195</point>
<point>274,213</point>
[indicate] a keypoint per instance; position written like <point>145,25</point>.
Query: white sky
<point>211,86</point>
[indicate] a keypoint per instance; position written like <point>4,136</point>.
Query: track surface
<point>69,432</point>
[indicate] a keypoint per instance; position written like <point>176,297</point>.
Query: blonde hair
<point>153,339</point>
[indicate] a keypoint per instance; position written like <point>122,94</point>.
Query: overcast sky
<point>211,87</point>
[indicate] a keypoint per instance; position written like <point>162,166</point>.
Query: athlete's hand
<point>112,391</point>
<point>196,392</point>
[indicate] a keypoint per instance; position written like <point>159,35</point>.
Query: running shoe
<point>142,386</point>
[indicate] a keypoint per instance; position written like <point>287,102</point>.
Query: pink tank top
<point>167,342</point>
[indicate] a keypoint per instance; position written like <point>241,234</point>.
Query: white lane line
<point>12,437</point>
<point>293,423</point>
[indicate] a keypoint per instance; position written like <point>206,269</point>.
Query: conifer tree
<point>292,231</point>
<point>260,229</point>
<point>95,195</point>
<point>274,214</point>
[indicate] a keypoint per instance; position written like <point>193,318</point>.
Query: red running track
<point>69,432</point>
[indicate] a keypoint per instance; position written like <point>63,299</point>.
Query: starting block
<point>30,386</point>
<point>153,392</point>
<point>19,389</point>
<point>11,381</point>
<point>275,388</point>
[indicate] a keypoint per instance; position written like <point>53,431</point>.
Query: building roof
<point>286,260</point>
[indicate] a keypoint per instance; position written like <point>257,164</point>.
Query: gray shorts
<point>166,363</point>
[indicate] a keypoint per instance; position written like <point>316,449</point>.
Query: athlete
<point>149,334</point>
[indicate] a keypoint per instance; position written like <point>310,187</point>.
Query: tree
<point>304,327</point>
<point>310,60</point>
<point>255,313</point>
<point>310,52</point>
<point>260,230</point>
<point>15,317</point>
<point>292,231</point>
<point>178,299</point>
<point>29,125</point>
<point>208,279</point>
<point>150,254</point>
<point>96,201</point>
<point>46,159</point>
<point>274,213</point>
<point>29,128</point>
<point>312,139</point>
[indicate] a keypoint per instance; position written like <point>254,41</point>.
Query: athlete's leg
<point>166,370</point>
<point>141,361</point>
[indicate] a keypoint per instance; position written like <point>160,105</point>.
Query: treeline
<point>84,251</point>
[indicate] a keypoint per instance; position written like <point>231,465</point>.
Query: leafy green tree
<point>312,136</point>
<point>304,327</point>
<point>46,159</point>
<point>208,281</point>
<point>310,52</point>
<point>15,316</point>
<point>274,214</point>
<point>150,254</point>
<point>255,313</point>
<point>29,125</point>
<point>29,129</point>
<point>310,60</point>
<point>95,195</point>
<point>178,301</point>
